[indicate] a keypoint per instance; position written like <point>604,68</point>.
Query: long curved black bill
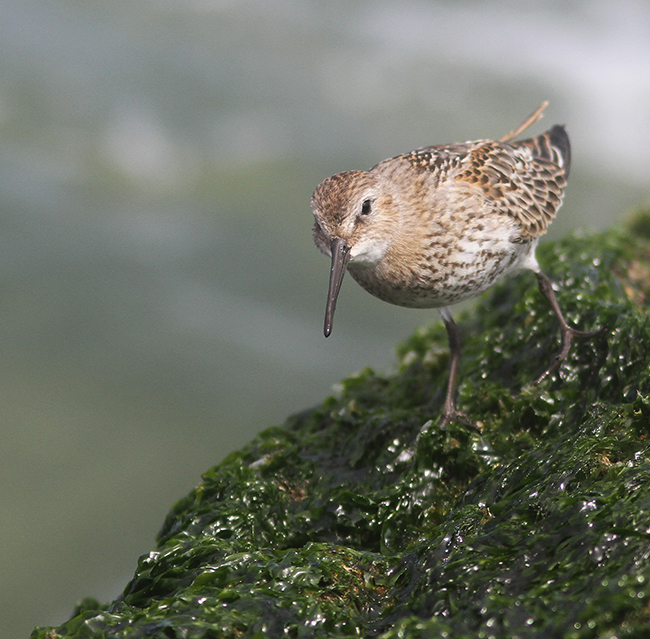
<point>340,258</point>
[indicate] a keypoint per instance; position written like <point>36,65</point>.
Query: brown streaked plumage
<point>442,224</point>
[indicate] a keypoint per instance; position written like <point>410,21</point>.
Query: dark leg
<point>449,412</point>
<point>568,333</point>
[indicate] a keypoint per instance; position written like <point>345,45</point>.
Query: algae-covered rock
<point>362,518</point>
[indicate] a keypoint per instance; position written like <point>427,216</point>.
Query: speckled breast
<point>436,285</point>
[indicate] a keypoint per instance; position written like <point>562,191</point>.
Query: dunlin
<point>441,224</point>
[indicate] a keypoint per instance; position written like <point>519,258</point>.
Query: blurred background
<point>161,300</point>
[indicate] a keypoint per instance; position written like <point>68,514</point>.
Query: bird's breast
<point>444,270</point>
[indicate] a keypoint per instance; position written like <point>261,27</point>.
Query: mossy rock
<point>361,518</point>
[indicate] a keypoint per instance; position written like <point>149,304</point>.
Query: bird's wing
<point>524,180</point>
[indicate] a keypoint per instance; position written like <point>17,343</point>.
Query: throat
<point>367,254</point>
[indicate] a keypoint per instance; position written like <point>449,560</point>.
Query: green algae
<point>361,518</point>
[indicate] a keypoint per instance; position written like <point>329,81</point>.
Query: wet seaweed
<point>361,517</point>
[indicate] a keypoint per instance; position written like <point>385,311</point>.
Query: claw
<point>459,418</point>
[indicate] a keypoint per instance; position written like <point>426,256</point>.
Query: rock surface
<point>362,518</point>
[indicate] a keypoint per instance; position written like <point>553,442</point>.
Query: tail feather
<point>553,146</point>
<point>561,145</point>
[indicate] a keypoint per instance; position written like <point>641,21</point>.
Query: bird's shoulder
<point>436,162</point>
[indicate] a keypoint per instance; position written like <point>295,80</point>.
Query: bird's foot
<point>452,415</point>
<point>568,335</point>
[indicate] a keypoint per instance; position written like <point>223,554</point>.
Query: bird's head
<point>354,212</point>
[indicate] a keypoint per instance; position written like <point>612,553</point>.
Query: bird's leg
<point>449,412</point>
<point>568,333</point>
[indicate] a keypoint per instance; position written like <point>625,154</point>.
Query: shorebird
<point>442,224</point>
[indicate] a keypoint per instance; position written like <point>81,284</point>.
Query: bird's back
<point>524,180</point>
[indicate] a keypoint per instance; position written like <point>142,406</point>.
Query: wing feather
<point>524,180</point>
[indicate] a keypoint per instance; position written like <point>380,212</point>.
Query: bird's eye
<point>365,207</point>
